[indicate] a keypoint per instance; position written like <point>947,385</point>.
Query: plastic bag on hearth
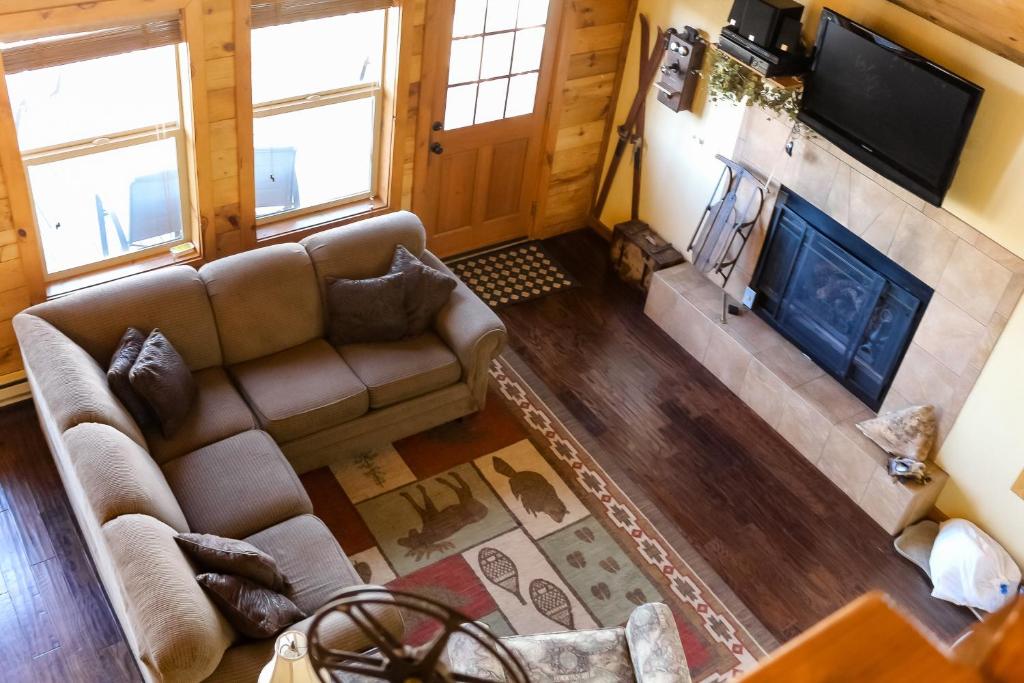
<point>970,568</point>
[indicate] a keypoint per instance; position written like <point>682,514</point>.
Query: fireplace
<point>838,299</point>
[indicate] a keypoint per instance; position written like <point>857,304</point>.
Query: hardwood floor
<point>788,542</point>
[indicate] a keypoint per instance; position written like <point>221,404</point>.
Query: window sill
<point>65,286</point>
<point>294,228</point>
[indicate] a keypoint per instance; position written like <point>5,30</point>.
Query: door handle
<point>437,148</point>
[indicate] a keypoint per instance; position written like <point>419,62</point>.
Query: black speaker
<point>787,38</point>
<point>759,21</point>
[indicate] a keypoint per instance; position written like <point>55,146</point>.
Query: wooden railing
<point>870,640</point>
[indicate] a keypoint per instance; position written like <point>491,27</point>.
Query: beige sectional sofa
<point>274,398</point>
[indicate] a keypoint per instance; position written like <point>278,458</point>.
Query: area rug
<point>508,518</point>
<point>513,274</point>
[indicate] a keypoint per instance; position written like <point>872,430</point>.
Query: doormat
<point>508,518</point>
<point>513,274</point>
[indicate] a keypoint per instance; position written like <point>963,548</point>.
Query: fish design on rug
<point>534,491</point>
<point>552,602</point>
<point>440,525</point>
<point>500,570</point>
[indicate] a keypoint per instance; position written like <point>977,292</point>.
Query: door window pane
<point>532,13</point>
<point>105,204</point>
<point>469,18</point>
<point>460,107</point>
<point>313,156</point>
<point>501,15</point>
<point>497,55</point>
<point>522,92</point>
<point>529,48</point>
<point>316,56</point>
<point>465,61</point>
<point>490,104</point>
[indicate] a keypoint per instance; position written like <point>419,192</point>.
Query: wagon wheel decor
<point>393,660</point>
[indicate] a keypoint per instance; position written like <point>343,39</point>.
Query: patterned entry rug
<point>513,274</point>
<point>508,518</point>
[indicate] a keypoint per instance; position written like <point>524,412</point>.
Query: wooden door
<point>487,68</point>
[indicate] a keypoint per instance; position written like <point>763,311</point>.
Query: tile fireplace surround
<point>977,285</point>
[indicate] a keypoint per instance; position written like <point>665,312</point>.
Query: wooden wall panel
<point>596,37</point>
<point>996,25</point>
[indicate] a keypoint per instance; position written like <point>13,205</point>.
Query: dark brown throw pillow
<point>426,289</point>
<point>254,611</point>
<point>230,556</point>
<point>370,310</point>
<point>117,375</point>
<point>162,379</point>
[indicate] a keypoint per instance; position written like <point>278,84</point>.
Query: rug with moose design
<point>506,517</point>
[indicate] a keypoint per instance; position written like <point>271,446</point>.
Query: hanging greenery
<point>732,82</point>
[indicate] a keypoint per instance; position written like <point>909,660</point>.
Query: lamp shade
<point>291,662</point>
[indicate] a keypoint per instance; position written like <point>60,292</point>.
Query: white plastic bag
<point>969,568</point>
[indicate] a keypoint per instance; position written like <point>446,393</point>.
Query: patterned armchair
<point>647,650</point>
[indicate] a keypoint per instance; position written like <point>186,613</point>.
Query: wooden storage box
<point>638,252</point>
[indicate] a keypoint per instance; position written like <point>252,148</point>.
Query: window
<point>99,122</point>
<point>316,86</point>
<point>495,60</point>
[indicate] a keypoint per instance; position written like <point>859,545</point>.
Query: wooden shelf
<point>784,82</point>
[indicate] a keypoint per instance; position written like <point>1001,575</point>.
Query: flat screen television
<point>888,107</point>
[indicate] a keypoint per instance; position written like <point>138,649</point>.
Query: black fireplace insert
<point>842,302</point>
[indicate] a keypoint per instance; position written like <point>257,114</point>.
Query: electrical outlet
<point>1018,486</point>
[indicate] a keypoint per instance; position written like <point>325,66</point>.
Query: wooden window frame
<point>38,18</point>
<point>391,118</point>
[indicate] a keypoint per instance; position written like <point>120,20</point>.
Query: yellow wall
<point>984,454</point>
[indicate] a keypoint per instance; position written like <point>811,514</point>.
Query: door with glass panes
<point>486,79</point>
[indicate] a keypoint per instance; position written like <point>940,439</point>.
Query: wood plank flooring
<point>788,542</point>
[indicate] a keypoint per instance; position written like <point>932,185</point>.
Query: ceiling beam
<point>996,25</point>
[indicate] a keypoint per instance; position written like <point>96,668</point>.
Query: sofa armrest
<point>654,645</point>
<point>471,329</point>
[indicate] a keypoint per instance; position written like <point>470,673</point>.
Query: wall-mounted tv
<point>890,108</point>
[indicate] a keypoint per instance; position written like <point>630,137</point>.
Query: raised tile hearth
<point>807,407</point>
<point>977,284</point>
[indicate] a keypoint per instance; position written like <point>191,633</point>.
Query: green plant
<point>733,82</point>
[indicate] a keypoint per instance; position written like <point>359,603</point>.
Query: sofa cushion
<point>119,376</point>
<point>370,310</point>
<point>301,391</point>
<point>364,249</point>
<point>162,379</point>
<point>310,558</point>
<point>217,413</point>
<point>245,661</point>
<point>426,290</point>
<point>396,371</point>
<point>264,301</point>
<point>178,633</point>
<point>173,299</point>
<point>69,380</point>
<point>254,610</point>
<point>231,556</point>
<point>118,477</point>
<point>237,486</point>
